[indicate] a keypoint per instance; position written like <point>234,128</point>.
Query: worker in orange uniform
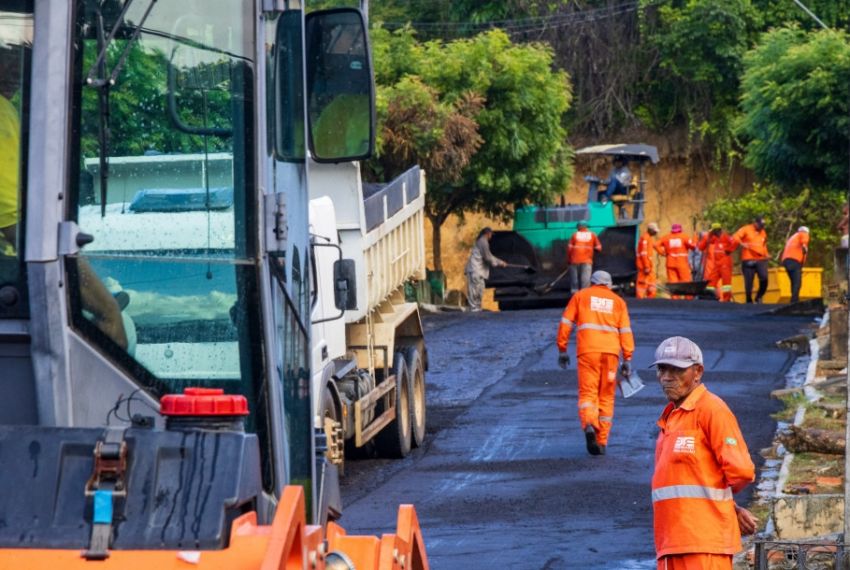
<point>580,256</point>
<point>753,241</point>
<point>701,459</point>
<point>718,247</point>
<point>603,330</point>
<point>674,246</point>
<point>793,259</point>
<point>645,285</point>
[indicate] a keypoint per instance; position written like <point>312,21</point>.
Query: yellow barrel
<point>779,286</point>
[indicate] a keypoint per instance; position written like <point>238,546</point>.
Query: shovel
<point>631,385</point>
<point>545,288</point>
<point>527,268</point>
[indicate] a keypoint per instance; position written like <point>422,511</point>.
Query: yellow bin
<point>779,286</point>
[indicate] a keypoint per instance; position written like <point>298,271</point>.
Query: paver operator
<point>603,329</point>
<point>701,459</point>
<point>675,246</point>
<point>793,259</point>
<point>580,249</point>
<point>753,241</point>
<point>718,247</point>
<point>645,284</point>
<point>478,268</point>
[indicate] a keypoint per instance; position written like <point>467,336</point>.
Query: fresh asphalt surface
<point>505,481</point>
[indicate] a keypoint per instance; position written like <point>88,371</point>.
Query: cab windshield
<point>16,30</point>
<point>164,184</point>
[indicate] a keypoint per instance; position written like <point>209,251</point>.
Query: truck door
<point>16,381</point>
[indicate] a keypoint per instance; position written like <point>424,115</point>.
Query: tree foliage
<point>795,108</point>
<point>512,95</point>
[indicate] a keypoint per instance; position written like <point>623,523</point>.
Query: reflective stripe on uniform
<point>595,327</point>
<point>606,419</point>
<point>691,492</point>
<point>566,321</point>
<point>585,405</point>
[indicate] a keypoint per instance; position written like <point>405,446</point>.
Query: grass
<point>807,467</point>
<point>791,402</point>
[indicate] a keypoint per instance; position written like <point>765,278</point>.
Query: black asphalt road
<point>505,481</point>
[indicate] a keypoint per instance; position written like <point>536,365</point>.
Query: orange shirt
<point>581,246</point>
<point>675,247</point>
<point>753,243</point>
<point>601,320</point>
<point>644,252</point>
<point>794,247</point>
<point>700,460</point>
<point>717,248</point>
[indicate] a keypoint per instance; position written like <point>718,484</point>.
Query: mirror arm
<point>339,250</point>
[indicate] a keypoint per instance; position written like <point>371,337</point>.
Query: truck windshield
<point>164,184</point>
<point>16,27</point>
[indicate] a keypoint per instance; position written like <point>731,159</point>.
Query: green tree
<point>523,157</point>
<point>795,108</point>
<point>698,47</point>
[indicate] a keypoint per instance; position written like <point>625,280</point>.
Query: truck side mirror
<point>340,86</point>
<point>345,285</point>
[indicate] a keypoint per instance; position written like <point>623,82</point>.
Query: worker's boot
<point>592,445</point>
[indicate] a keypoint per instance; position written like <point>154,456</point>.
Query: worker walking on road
<point>718,247</point>
<point>793,259</point>
<point>603,330</point>
<point>753,241</point>
<point>478,268</point>
<point>645,284</point>
<point>701,459</point>
<point>675,246</point>
<point>580,256</point>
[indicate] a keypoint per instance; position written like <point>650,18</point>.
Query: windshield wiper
<point>97,77</point>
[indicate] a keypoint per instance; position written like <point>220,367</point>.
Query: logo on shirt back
<point>583,236</point>
<point>685,444</point>
<point>675,242</point>
<point>601,304</point>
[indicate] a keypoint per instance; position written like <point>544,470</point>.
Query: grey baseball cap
<point>601,278</point>
<point>678,351</point>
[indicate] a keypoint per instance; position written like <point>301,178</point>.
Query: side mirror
<point>340,86</point>
<point>345,285</point>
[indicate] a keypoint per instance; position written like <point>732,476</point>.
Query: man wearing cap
<point>793,259</point>
<point>701,459</point>
<point>645,282</point>
<point>718,247</point>
<point>674,246</point>
<point>753,241</point>
<point>603,330</point>
<point>478,268</point>
<point>580,250</point>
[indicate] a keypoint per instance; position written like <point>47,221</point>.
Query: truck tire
<point>395,439</point>
<point>416,370</point>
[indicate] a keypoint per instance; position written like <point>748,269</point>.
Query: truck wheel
<point>394,440</point>
<point>416,369</point>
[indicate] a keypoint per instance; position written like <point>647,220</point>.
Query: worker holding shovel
<point>603,330</point>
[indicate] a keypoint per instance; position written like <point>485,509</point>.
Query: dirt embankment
<point>678,191</point>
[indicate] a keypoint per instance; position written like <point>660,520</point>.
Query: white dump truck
<point>368,349</point>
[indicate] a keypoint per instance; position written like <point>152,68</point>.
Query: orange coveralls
<point>603,329</point>
<point>675,248</point>
<point>718,263</point>
<point>645,285</point>
<point>700,460</point>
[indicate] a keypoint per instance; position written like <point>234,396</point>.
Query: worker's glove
<point>626,369</point>
<point>563,360</point>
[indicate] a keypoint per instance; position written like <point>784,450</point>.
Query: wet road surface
<point>505,481</point>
